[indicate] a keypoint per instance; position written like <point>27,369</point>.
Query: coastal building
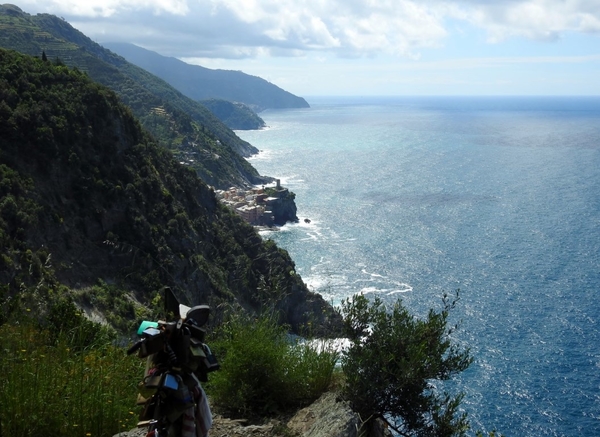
<point>261,206</point>
<point>253,205</point>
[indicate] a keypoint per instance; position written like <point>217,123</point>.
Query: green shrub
<point>263,371</point>
<point>66,323</point>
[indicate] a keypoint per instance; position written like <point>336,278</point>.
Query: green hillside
<point>235,115</point>
<point>200,83</point>
<point>93,208</point>
<point>186,127</point>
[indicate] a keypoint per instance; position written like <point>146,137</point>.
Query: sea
<point>498,197</point>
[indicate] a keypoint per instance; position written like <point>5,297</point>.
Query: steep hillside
<point>92,206</point>
<point>200,83</point>
<point>190,130</point>
<point>234,115</point>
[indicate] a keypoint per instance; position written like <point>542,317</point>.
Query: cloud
<point>237,29</point>
<point>347,27</point>
<point>234,28</point>
<point>105,8</point>
<point>532,19</point>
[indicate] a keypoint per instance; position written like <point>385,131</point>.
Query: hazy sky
<point>364,47</point>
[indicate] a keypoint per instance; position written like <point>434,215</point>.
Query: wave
<point>374,275</point>
<point>241,132</point>
<point>263,155</point>
<point>403,288</point>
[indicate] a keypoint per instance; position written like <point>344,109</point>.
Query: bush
<point>393,363</point>
<point>67,324</point>
<point>263,371</point>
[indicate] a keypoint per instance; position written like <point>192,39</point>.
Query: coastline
<point>447,204</point>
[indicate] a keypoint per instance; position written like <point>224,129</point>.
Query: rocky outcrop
<point>330,416</point>
<point>327,417</point>
<point>284,210</point>
<point>283,206</point>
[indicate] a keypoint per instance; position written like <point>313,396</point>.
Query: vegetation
<point>92,206</point>
<point>234,115</point>
<point>263,371</point>
<point>177,122</point>
<point>96,214</point>
<point>201,83</point>
<point>65,379</point>
<point>394,363</point>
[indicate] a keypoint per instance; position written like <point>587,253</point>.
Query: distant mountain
<point>93,209</point>
<point>200,83</point>
<point>194,134</point>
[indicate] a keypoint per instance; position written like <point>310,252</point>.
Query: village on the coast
<point>259,206</point>
<point>255,205</point>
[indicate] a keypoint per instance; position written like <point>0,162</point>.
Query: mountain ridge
<point>201,83</point>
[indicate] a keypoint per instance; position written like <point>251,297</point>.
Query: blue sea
<point>409,198</point>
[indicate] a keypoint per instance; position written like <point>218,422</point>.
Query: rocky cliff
<point>282,204</point>
<point>87,197</point>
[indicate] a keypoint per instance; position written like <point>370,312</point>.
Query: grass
<point>50,387</point>
<point>76,383</point>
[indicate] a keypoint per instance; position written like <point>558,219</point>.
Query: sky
<point>364,47</point>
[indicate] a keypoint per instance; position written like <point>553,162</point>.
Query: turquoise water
<point>500,197</point>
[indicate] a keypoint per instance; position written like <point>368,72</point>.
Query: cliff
<point>90,203</point>
<point>282,205</point>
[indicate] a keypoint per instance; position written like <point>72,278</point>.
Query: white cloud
<point>533,19</point>
<point>105,8</point>
<point>346,28</point>
<point>358,27</point>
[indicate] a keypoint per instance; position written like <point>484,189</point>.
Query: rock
<point>223,427</point>
<point>284,208</point>
<point>330,416</point>
<point>136,432</point>
<point>327,417</point>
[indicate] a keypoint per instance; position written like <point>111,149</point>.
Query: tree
<point>393,361</point>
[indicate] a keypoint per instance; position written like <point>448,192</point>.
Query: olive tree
<point>393,362</point>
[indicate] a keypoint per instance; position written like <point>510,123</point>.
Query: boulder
<point>330,416</point>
